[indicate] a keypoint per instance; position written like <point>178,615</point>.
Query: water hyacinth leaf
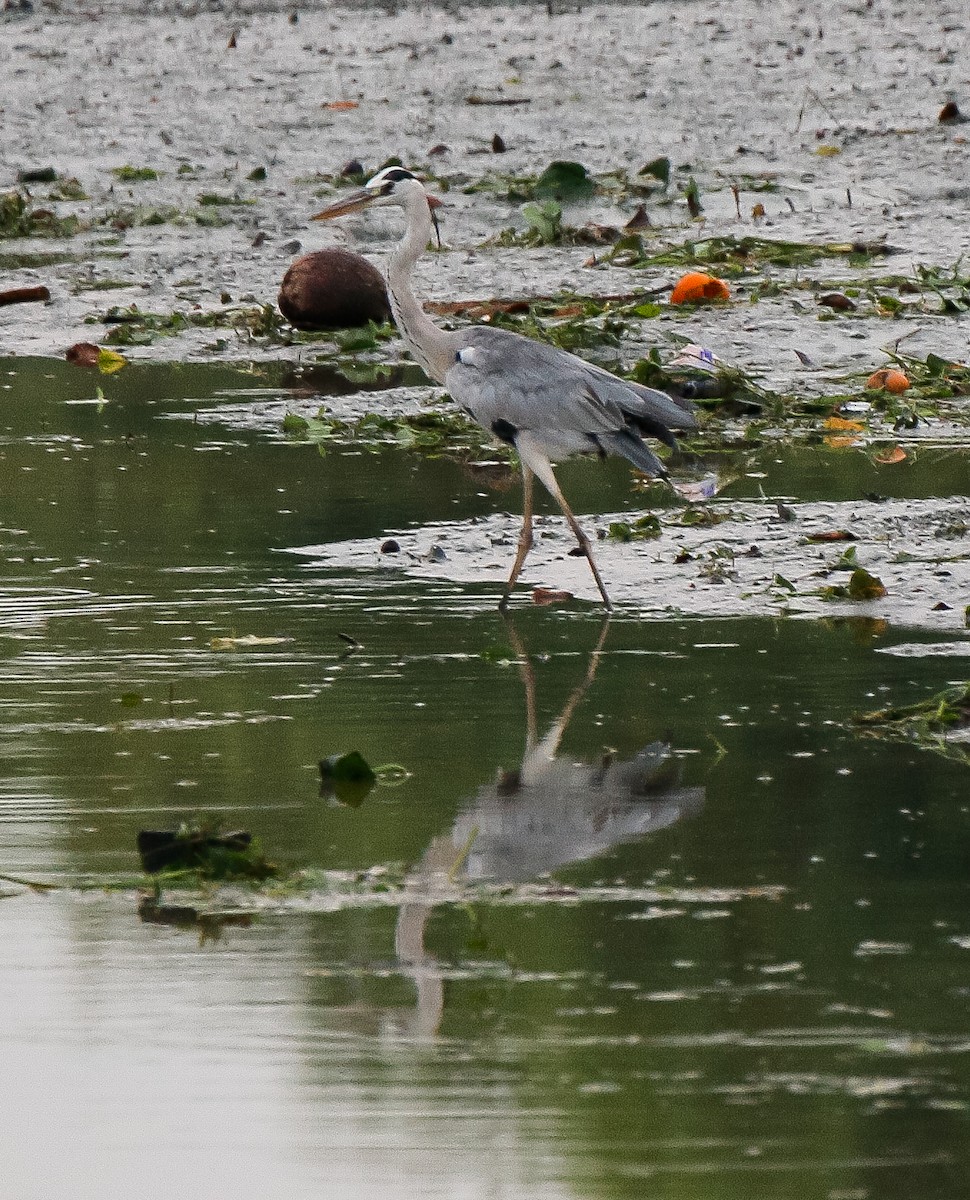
<point>567,182</point>
<point>348,777</point>
<point>294,424</point>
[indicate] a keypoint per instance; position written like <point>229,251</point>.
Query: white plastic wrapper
<point>698,357</point>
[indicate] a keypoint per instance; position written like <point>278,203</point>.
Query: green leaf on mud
<point>659,168</point>
<point>130,174</point>
<point>863,586</point>
<point>293,423</point>
<point>545,220</point>
<point>567,182</point>
<point>642,529</point>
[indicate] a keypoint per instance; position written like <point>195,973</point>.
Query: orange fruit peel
<point>888,379</point>
<point>698,288</point>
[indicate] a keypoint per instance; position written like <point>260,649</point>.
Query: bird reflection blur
<point>547,813</point>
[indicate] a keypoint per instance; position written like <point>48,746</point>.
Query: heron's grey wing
<point>510,383</point>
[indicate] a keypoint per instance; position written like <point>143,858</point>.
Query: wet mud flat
<point>739,559</point>
<point>189,149</point>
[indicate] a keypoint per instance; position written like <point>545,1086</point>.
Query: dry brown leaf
<point>895,454</point>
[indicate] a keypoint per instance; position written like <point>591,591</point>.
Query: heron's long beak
<point>352,202</point>
<point>355,201</point>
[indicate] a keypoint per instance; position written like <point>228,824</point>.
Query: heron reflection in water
<point>549,812</point>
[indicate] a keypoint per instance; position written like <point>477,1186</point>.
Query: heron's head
<point>392,185</point>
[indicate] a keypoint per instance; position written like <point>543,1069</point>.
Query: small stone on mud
<point>390,547</point>
<point>436,554</point>
<point>837,300</point>
<point>950,114</point>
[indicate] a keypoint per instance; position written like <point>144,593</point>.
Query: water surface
<point>735,967</point>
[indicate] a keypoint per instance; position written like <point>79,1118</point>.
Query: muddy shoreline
<point>201,141</point>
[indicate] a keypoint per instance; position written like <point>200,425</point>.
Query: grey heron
<point>547,403</point>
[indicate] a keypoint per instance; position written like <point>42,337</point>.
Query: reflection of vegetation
<point>925,723</point>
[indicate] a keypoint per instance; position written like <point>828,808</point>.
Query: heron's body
<point>545,402</point>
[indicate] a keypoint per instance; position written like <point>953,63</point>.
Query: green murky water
<point>751,980</point>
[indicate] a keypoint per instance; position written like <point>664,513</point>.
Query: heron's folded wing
<point>499,376</point>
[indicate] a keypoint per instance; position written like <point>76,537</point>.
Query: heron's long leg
<point>525,537</point>
<point>538,462</point>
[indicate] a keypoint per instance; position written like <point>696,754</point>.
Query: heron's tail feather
<point>627,444</point>
<point>653,405</point>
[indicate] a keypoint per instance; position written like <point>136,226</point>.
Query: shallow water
<point>747,979</point>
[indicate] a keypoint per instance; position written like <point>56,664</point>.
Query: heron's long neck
<point>427,343</point>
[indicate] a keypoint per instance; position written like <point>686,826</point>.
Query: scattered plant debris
<point>202,849</point>
<point>926,722</point>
